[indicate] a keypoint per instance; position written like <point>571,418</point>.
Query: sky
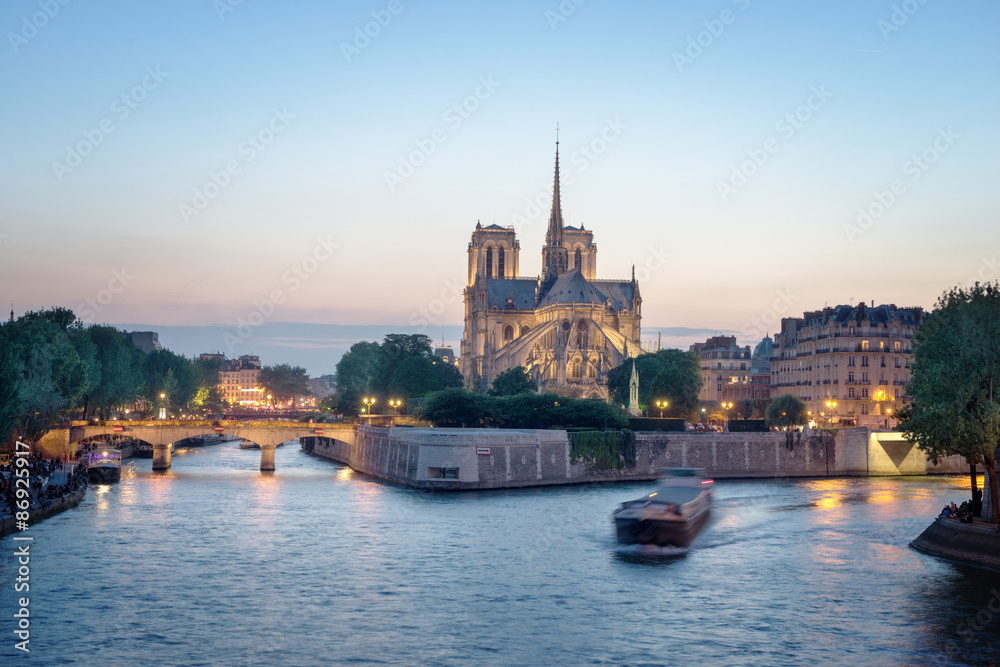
<point>229,169</point>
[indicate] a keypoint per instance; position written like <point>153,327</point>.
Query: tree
<point>10,393</point>
<point>455,407</point>
<point>955,384</point>
<point>679,383</point>
<point>284,382</point>
<point>512,382</point>
<point>682,383</point>
<point>786,411</point>
<point>356,369</point>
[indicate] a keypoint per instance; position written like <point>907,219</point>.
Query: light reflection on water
<point>214,563</point>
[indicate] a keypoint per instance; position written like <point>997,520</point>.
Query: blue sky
<point>307,227</point>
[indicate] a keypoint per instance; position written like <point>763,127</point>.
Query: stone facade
<point>566,327</point>
<point>849,364</point>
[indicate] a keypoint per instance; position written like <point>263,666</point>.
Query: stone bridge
<point>60,441</point>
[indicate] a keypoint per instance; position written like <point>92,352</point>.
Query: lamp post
<point>369,402</point>
<point>830,408</point>
<point>661,405</point>
<point>726,406</point>
<point>394,403</point>
<point>163,406</point>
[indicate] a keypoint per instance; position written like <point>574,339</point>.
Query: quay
<point>9,524</point>
<point>976,543</point>
<point>471,459</point>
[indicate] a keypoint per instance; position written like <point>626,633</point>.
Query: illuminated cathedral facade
<point>566,327</point>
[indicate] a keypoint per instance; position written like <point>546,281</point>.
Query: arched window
<point>578,260</point>
<point>508,333</point>
<point>489,262</point>
<point>500,262</point>
<point>577,369</point>
<point>590,370</point>
<point>524,329</point>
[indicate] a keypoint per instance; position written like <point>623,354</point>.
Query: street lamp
<point>395,403</point>
<point>830,405</point>
<point>661,405</point>
<point>163,407</point>
<point>369,402</point>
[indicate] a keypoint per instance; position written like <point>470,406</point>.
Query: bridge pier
<point>267,457</point>
<point>161,456</point>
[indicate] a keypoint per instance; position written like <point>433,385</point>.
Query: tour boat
<point>104,465</point>
<point>671,516</point>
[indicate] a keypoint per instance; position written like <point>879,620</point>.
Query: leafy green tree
<point>284,382</point>
<point>10,393</point>
<point>512,382</point>
<point>955,384</point>
<point>119,370</point>
<point>455,407</point>
<point>348,402</point>
<point>356,369</point>
<point>786,411</point>
<point>170,374</point>
<point>683,379</point>
<point>679,383</point>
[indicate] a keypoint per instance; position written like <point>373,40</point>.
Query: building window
<point>850,361</point>
<point>850,392</point>
<point>524,330</point>
<point>864,378</point>
<point>489,262</point>
<point>864,360</point>
<point>895,346</point>
<point>577,369</point>
<point>508,334</point>
<point>864,408</point>
<point>500,262</point>
<point>881,346</point>
<point>578,260</point>
<point>864,393</point>
<point>590,370</point>
<point>897,362</point>
<point>864,345</point>
<point>850,377</point>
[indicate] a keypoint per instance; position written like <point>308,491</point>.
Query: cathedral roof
<point>621,292</point>
<point>521,290</point>
<point>572,287</point>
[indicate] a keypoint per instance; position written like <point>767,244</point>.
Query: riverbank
<point>9,524</point>
<point>477,459</point>
<point>976,543</point>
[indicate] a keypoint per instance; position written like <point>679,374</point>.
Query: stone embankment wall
<point>977,543</point>
<point>442,458</point>
<point>9,524</point>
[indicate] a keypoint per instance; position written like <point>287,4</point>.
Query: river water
<point>214,563</point>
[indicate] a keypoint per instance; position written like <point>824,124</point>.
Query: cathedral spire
<point>555,258</point>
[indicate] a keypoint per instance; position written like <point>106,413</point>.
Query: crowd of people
<point>115,441</point>
<point>962,513</point>
<point>41,493</point>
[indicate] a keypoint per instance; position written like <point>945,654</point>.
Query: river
<point>214,563</point>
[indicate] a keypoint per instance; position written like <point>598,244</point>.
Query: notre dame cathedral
<point>566,327</point>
